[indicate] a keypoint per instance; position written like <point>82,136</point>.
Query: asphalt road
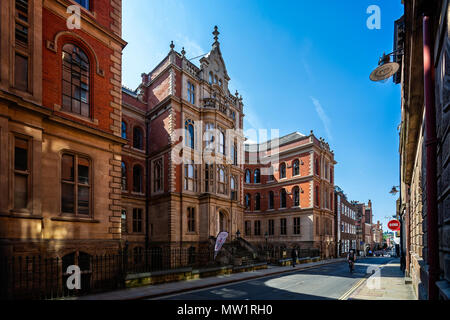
<point>325,282</point>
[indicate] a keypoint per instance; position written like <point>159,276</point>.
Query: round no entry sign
<point>394,225</point>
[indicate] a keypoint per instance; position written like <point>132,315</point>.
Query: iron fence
<point>39,277</point>
<point>279,253</point>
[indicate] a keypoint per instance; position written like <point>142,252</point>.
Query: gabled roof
<point>215,51</point>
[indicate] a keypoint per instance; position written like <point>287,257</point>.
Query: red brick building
<point>365,228</point>
<point>289,193</point>
<point>182,179</point>
<point>60,116</point>
<point>346,223</point>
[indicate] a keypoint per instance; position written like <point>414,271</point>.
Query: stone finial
<point>216,35</point>
<point>236,94</point>
<point>171,46</point>
<point>312,132</point>
<point>183,52</point>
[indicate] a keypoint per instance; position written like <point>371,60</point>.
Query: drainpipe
<point>147,191</point>
<point>431,165</point>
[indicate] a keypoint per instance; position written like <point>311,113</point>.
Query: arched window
<point>283,198</point>
<point>248,199</point>
<point>157,176</point>
<point>257,201</point>
<point>316,165</point>
<point>189,133</point>
<point>138,138</point>
<point>248,176</point>
<point>257,176</point>
<point>124,177</point>
<point>271,199</point>
<point>282,171</point>
<point>296,196</point>
<point>296,168</point>
<point>137,178</point>
<point>124,130</point>
<point>75,80</point>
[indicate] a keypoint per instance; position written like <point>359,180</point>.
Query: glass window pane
<point>83,200</point>
<point>21,154</point>
<point>67,103</point>
<point>85,109</point>
<point>20,191</point>
<point>76,106</point>
<point>67,198</point>
<point>67,76</point>
<point>67,168</point>
<point>83,171</point>
<point>66,88</point>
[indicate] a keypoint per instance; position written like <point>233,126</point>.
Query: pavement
<point>388,283</point>
<point>154,291</point>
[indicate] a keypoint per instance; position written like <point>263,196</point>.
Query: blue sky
<point>300,66</point>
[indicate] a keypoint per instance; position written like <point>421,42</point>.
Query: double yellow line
<point>352,289</point>
<point>358,284</point>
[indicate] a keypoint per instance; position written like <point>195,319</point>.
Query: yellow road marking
<point>346,295</point>
<point>352,289</point>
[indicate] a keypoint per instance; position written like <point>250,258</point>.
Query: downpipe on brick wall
<point>431,166</point>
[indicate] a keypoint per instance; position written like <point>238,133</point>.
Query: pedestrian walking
<point>294,257</point>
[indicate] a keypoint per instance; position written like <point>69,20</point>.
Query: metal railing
<point>39,277</point>
<point>274,255</point>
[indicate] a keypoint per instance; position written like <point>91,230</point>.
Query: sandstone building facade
<point>424,208</point>
<point>60,139</point>
<point>289,193</point>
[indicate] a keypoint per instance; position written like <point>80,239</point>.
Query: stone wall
<point>443,152</point>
